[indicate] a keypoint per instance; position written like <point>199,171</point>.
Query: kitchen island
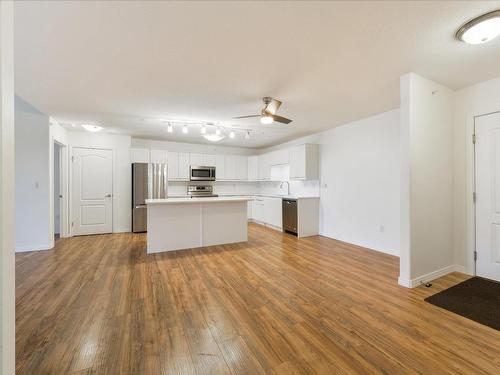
<point>186,223</point>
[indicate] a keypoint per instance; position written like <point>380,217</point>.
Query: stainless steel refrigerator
<point>149,181</point>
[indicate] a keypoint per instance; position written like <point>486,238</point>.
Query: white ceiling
<point>128,65</point>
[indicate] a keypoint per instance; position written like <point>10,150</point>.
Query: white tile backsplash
<point>307,188</point>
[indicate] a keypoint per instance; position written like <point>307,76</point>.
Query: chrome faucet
<point>288,186</point>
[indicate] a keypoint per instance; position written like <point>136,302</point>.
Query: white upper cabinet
<point>173,165</point>
<point>279,157</point>
<point>209,160</point>
<point>264,167</point>
<point>205,160</point>
<point>241,167</point>
<point>229,167</point>
<point>219,167</point>
<point>184,163</point>
<point>304,162</point>
<point>196,159</point>
<point>253,168</point>
<point>178,165</point>
<point>159,156</point>
<point>139,155</point>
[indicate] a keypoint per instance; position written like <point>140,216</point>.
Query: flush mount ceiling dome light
<point>481,29</point>
<point>213,137</point>
<point>92,128</point>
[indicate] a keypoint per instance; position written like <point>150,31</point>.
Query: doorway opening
<point>58,190</point>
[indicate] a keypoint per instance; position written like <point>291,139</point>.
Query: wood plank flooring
<point>274,305</point>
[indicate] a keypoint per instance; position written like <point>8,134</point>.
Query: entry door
<point>92,191</point>
<point>488,196</point>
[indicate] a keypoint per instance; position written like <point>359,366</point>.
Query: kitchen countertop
<point>188,200</point>
<point>291,196</point>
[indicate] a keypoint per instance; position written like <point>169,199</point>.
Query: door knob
<point>107,196</point>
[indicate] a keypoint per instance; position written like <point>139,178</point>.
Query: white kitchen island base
<point>185,223</point>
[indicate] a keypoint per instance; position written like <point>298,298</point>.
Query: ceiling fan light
<point>481,29</point>
<point>231,134</point>
<point>247,135</point>
<point>185,129</point>
<point>266,120</point>
<point>170,129</point>
<point>217,131</point>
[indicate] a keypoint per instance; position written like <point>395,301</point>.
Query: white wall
<point>359,176</point>
<point>476,100</point>
<point>7,211</point>
<point>120,144</point>
<point>32,179</point>
<point>428,193</point>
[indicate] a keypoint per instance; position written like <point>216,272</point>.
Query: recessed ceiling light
<point>231,134</point>
<point>92,128</point>
<point>185,129</point>
<point>213,137</point>
<point>170,129</point>
<point>203,129</point>
<point>247,135</point>
<point>266,120</point>
<point>481,29</point>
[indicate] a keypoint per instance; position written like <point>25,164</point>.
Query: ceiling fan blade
<point>283,120</point>
<point>273,106</point>
<point>246,116</point>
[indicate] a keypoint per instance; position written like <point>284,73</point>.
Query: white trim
<point>64,176</point>
<point>21,249</point>
<point>430,276</point>
<point>470,187</point>
<point>121,230</point>
<point>265,225</point>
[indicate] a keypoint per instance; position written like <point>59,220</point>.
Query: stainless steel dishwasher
<point>290,215</point>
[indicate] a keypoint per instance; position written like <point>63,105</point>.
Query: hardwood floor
<point>274,305</point>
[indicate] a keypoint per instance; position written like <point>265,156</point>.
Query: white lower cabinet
<point>273,211</point>
<point>267,210</point>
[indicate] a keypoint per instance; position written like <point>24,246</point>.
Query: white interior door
<point>92,191</point>
<point>488,196</point>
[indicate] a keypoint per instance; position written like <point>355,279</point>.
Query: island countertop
<point>197,200</point>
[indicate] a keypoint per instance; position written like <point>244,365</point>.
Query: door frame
<point>472,226</point>
<point>113,185</point>
<point>64,171</point>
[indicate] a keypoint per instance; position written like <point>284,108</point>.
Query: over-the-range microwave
<point>201,173</point>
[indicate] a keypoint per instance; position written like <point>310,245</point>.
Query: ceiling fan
<point>268,114</point>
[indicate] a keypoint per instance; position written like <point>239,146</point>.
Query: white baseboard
<point>362,244</point>
<point>22,249</point>
<point>266,225</point>
<point>122,230</point>
<point>430,276</point>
